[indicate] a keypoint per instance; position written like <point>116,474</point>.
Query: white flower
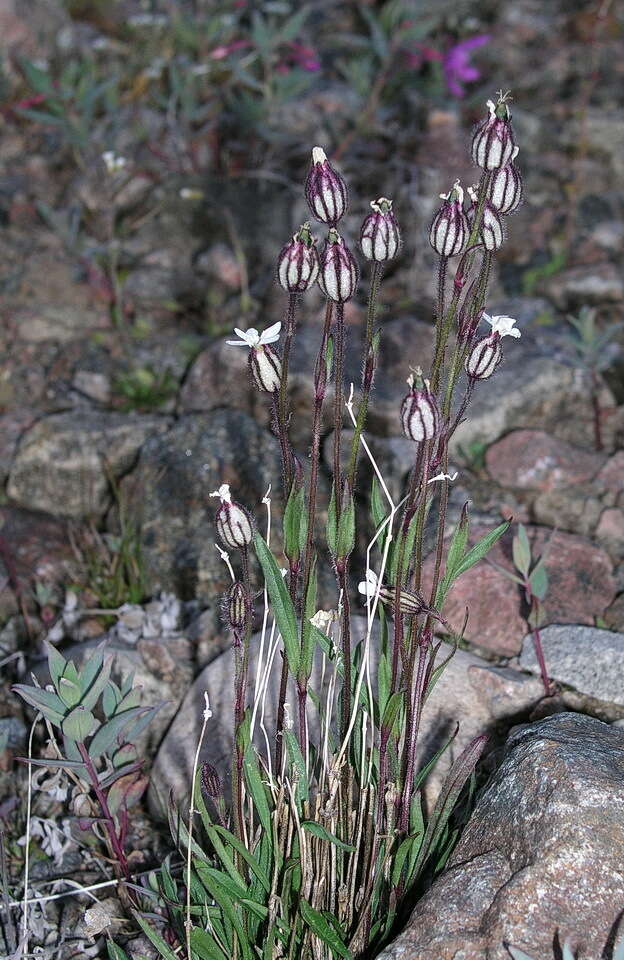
<point>444,476</point>
<point>504,326</point>
<point>251,338</point>
<point>323,620</point>
<point>223,493</point>
<point>368,587</point>
<point>113,162</point>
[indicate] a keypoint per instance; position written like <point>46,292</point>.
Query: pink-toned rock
<point>534,460</point>
<point>611,477</point>
<point>610,531</point>
<point>580,587</point>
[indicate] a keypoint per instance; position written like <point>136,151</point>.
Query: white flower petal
<point>271,334</point>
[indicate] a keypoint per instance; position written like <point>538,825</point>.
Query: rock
<point>570,508</point>
<point>610,531</point>
<point>594,285</point>
<point>65,461</point>
<point>481,697</point>
<point>539,861</point>
<point>580,587</point>
<point>586,658</point>
<point>614,614</point>
<point>13,424</point>
<point>611,476</point>
<point>534,460</point>
<point>13,733</point>
<point>36,550</point>
<point>176,473</point>
<point>538,386</point>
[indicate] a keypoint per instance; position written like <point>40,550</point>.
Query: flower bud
<point>420,414</point>
<point>233,522</point>
<point>211,781</point>
<point>484,357</point>
<point>505,191</point>
<point>491,230</point>
<point>297,265</point>
<point>235,607</point>
<point>493,141</point>
<point>338,274</point>
<point>325,190</point>
<point>379,237</point>
<point>266,368</point>
<point>449,231</point>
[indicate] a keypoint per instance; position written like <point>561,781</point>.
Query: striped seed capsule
<point>325,190</point>
<point>234,524</point>
<point>266,368</point>
<point>380,238</point>
<point>338,274</point>
<point>298,263</point>
<point>493,141</point>
<point>449,231</point>
<point>484,357</point>
<point>420,414</point>
<point>505,192</point>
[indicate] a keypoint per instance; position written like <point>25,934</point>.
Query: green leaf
<point>254,864</point>
<point>68,691</point>
<point>257,789</point>
<point>295,756</point>
<point>378,504</point>
<point>539,580</point>
<point>521,550</point>
<point>115,952</point>
<point>216,885</point>
<point>295,523</point>
<point>392,710</point>
<point>93,685</point>
<point>281,604</point>
<point>346,528</point>
<point>451,789</point>
<point>317,830</point>
<point>308,642</point>
<point>206,946</point>
<point>56,663</point>
<point>78,724</point>
<point>482,548</point>
<point>110,731</point>
<point>48,703</point>
<point>154,937</point>
<point>319,925</point>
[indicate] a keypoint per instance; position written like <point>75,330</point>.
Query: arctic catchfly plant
<point>314,841</point>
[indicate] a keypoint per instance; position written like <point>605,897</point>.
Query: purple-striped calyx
<point>325,190</point>
<point>505,190</point>
<point>420,414</point>
<point>264,363</point>
<point>338,274</point>
<point>449,231</point>
<point>234,523</point>
<point>493,141</point>
<point>380,238</point>
<point>487,353</point>
<point>298,264</point>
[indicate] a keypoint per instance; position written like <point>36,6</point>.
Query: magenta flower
<point>457,67</point>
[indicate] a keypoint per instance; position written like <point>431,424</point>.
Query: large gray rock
<point>541,856</point>
<point>477,695</point>
<point>585,658</point>
<point>176,473</point>
<point>65,462</point>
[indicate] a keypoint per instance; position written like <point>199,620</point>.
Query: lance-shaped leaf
<point>295,524</point>
<point>451,789</point>
<point>319,925</point>
<point>78,724</point>
<point>521,550</point>
<point>46,702</point>
<point>281,604</point>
